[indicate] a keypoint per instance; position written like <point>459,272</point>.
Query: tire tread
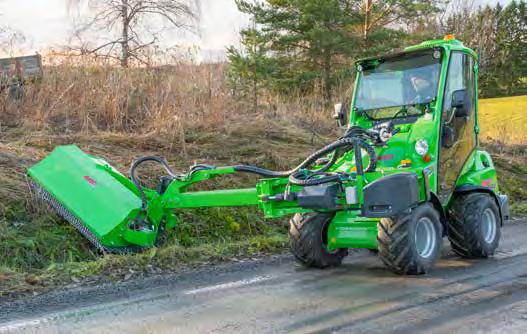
<point>464,225</point>
<point>306,243</point>
<point>394,244</point>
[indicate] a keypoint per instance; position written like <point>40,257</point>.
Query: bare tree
<point>128,20</point>
<point>382,13</point>
<point>456,17</point>
<point>10,40</point>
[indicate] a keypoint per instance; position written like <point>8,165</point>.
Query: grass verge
<point>40,251</point>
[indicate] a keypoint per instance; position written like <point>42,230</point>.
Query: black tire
<point>162,235</point>
<point>469,231</point>
<point>404,247</point>
<point>308,240</point>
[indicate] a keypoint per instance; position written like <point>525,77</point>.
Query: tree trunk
<point>255,89</point>
<point>367,9</point>
<point>125,48</point>
<point>327,77</point>
<point>255,69</point>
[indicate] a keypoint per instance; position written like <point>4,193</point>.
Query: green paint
<point>108,203</point>
<point>230,197</point>
<point>349,230</point>
<point>84,186</point>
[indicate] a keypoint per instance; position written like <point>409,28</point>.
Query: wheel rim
<point>425,237</point>
<point>488,225</point>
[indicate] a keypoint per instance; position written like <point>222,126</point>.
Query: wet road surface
<point>276,295</point>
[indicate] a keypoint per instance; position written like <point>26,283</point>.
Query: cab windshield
<point>399,86</point>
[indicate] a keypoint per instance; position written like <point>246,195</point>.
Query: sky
<point>48,23</point>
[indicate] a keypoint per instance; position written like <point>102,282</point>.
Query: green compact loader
<point>407,171</point>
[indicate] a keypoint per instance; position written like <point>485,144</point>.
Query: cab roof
<point>448,43</point>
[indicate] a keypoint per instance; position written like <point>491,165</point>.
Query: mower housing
<point>86,191</point>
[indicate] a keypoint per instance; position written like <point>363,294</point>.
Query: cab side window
<point>460,76</point>
<point>458,132</point>
<point>454,82</point>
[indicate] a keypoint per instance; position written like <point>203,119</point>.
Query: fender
<point>391,195</point>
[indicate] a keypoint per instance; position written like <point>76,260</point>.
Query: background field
<point>186,114</point>
<point>503,119</point>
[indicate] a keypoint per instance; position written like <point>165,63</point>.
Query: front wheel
<point>411,242</point>
<point>308,239</point>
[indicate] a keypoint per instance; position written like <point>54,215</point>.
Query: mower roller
<point>407,171</point>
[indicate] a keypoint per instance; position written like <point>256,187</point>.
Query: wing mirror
<point>459,102</point>
<point>341,114</point>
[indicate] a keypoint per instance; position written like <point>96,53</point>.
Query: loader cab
<point>398,87</point>
<point>430,91</point>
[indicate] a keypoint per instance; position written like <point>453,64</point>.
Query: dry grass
<point>181,102</point>
<point>174,102</point>
<point>503,120</point>
<point>186,114</point>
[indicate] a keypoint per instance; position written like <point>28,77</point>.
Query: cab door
<point>458,126</point>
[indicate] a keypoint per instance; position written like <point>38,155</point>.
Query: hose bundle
<point>300,175</point>
<point>355,137</point>
<point>136,182</point>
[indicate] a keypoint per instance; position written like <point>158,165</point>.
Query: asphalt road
<point>276,295</point>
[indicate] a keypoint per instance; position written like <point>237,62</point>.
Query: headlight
<point>421,147</point>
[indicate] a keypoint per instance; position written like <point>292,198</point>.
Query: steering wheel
<point>403,110</point>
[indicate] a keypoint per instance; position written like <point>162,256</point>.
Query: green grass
<point>41,250</point>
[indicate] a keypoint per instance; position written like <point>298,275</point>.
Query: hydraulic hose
<point>300,175</point>
<point>338,147</point>
<point>356,132</point>
<point>137,183</point>
<point>300,179</point>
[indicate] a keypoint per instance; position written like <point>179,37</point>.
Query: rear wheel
<point>474,225</point>
<point>308,234</point>
<point>411,242</point>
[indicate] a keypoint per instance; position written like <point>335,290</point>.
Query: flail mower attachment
<point>85,191</point>
<point>118,214</point>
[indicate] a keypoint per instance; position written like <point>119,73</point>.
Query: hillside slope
<point>40,250</point>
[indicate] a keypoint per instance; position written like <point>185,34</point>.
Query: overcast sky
<point>47,23</point>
